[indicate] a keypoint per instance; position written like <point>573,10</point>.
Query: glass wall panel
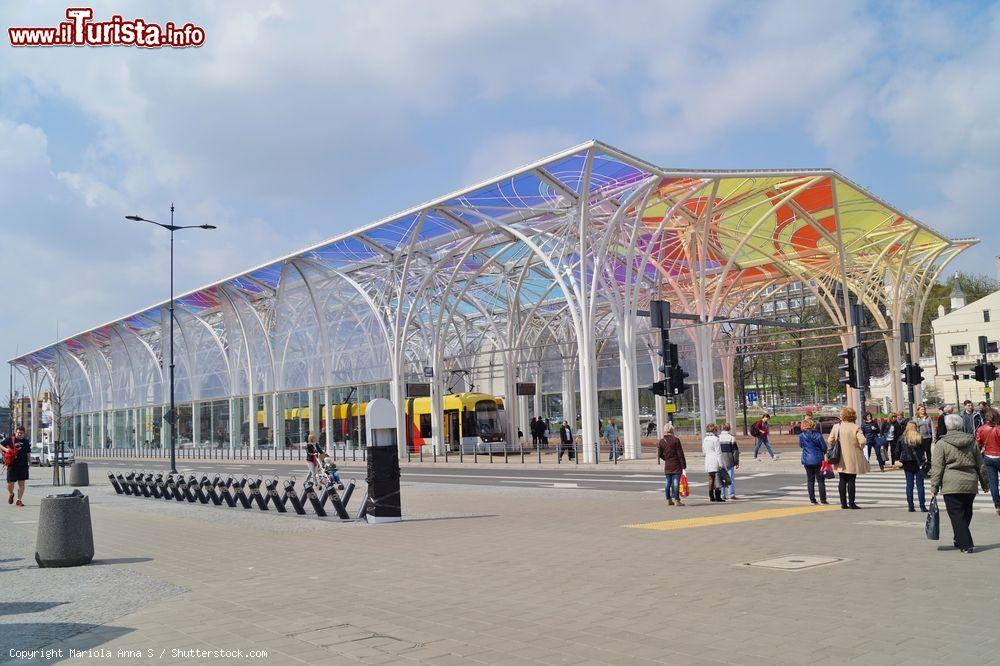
<point>220,424</point>
<point>264,416</point>
<point>185,430</point>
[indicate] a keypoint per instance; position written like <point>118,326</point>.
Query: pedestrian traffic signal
<point>659,388</point>
<point>985,372</point>
<point>677,377</point>
<point>849,367</point>
<point>913,374</point>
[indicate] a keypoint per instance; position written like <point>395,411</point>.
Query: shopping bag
<point>932,528</point>
<point>683,486</point>
<point>723,477</point>
<point>826,470</point>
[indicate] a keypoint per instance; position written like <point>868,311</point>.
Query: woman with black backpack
<point>915,463</point>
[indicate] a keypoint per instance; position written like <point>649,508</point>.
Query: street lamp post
<point>172,414</point>
<point>954,377</point>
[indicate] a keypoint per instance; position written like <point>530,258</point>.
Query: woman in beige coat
<point>852,459</point>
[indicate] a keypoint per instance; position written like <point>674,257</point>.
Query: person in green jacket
<point>957,471</point>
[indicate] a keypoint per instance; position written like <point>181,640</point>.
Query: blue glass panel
<point>269,275</point>
<point>342,253</point>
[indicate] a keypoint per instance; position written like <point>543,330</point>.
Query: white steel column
<point>512,404</point>
<point>278,421</point>
<point>569,395</point>
<point>729,386</point>
<point>629,389</point>
<point>537,399</point>
<point>706,387</point>
<point>895,359</point>
<point>235,421</point>
<point>328,417</point>
<point>196,434</point>
<point>314,417</point>
<point>438,435</point>
<point>398,389</point>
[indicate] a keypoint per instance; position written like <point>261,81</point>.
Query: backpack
<point>755,429</point>
<point>10,455</point>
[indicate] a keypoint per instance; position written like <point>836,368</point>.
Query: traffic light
<point>991,372</point>
<point>849,366</point>
<point>913,374</point>
<point>659,388</point>
<point>979,372</point>
<point>677,377</point>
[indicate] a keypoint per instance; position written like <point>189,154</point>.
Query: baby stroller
<point>328,473</point>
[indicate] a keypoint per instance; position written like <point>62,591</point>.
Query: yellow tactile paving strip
<point>747,516</point>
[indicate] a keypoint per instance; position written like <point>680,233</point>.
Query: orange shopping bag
<point>683,486</point>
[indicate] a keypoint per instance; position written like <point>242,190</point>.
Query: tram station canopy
<point>565,250</point>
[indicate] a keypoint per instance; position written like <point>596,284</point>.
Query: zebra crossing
<point>875,489</point>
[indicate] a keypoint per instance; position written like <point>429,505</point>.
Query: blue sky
<point>298,121</point>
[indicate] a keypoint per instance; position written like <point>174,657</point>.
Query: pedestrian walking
<point>873,440</point>
<point>957,472</point>
<point>16,452</point>
<point>611,435</point>
<point>729,454</point>
<point>312,458</point>
<point>813,452</point>
<point>988,438</point>
<point>670,451</point>
<point>566,441</point>
<point>892,432</point>
<point>971,419</point>
<point>913,457</point>
<point>925,426</point>
<point>851,462</point>
<point>942,429</point>
<point>713,461</point>
<point>761,431</point>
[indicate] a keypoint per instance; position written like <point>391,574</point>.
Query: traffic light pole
<point>665,353</point>
<point>861,370</point>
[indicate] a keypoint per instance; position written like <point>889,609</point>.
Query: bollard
<point>208,489</point>
<point>140,480</point>
<point>114,483</point>
<point>383,504</point>
<point>181,489</point>
<point>272,495</point>
<point>240,494</point>
<point>154,485</point>
<point>346,497</point>
<point>65,535</point>
<point>79,475</point>
<point>255,494</point>
<point>330,493</point>
<point>126,488</point>
<point>222,487</point>
<point>290,496</point>
<point>309,493</point>
<point>194,488</point>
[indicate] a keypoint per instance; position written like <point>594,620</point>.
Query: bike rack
<point>194,488</point>
<point>309,493</point>
<point>222,488</point>
<point>240,493</point>
<point>208,488</point>
<point>290,496</point>
<point>255,494</point>
<point>114,483</point>
<point>330,493</point>
<point>271,494</point>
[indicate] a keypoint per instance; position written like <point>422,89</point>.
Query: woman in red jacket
<point>988,438</point>
<point>669,450</point>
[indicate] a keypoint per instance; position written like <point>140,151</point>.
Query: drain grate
<point>795,562</point>
<point>338,637</point>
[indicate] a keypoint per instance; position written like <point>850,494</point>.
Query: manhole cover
<point>795,562</point>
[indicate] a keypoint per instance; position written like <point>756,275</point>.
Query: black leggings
<point>846,488</point>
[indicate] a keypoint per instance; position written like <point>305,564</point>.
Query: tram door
<point>451,429</point>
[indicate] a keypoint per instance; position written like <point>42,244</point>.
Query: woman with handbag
<point>813,450</point>
<point>846,454</point>
<point>957,471</point>
<point>713,461</point>
<point>730,459</point>
<point>911,454</point>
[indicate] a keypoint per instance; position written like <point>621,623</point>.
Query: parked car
<point>65,457</point>
<point>38,456</point>
<point>825,423</point>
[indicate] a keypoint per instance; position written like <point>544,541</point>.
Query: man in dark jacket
<point>942,428</point>
<point>566,441</point>
<point>669,450</point>
<point>893,433</point>
<point>17,471</point>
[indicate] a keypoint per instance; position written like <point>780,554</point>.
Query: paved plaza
<point>511,573</point>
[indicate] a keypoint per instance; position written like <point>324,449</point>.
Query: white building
<point>956,345</point>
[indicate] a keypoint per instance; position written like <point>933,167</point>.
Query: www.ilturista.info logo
<point>80,30</point>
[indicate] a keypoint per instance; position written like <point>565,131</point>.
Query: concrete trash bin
<point>65,535</point>
<point>78,474</point>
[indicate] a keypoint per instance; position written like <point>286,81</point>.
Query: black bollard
<point>330,493</point>
<point>346,497</point>
<point>126,488</point>
<point>194,488</point>
<point>140,480</point>
<point>383,503</point>
<point>208,488</point>
<point>222,488</point>
<point>272,495</point>
<point>240,494</point>
<point>154,488</point>
<point>132,485</point>
<point>255,494</point>
<point>114,483</point>
<point>180,488</point>
<point>309,493</point>
<point>166,489</point>
<point>290,496</point>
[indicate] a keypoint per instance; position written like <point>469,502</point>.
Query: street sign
<point>670,408</point>
<point>751,396</point>
<point>418,390</point>
<point>525,388</point>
